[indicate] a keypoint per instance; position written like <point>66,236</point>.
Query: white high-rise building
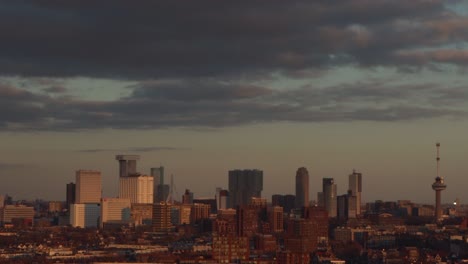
<point>355,189</point>
<point>85,215</point>
<point>139,189</point>
<point>115,211</point>
<point>88,187</point>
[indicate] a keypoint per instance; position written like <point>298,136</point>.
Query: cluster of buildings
<point>239,225</point>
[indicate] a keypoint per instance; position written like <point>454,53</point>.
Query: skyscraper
<point>302,187</point>
<point>88,187</point>
<point>127,164</point>
<point>71,194</point>
<point>355,189</point>
<point>139,189</point>
<point>158,180</point>
<point>244,184</point>
<point>329,196</point>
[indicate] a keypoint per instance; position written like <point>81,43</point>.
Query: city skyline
<point>202,88</point>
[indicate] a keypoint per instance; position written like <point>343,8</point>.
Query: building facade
<point>244,184</point>
<point>88,187</point>
<point>127,164</point>
<point>115,211</point>
<point>162,217</point>
<point>355,189</point>
<point>329,196</point>
<point>158,180</point>
<point>302,187</point>
<point>139,189</point>
<point>85,215</point>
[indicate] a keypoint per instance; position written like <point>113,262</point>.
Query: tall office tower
<point>289,202</point>
<point>438,186</point>
<point>139,189</point>
<point>88,186</point>
<point>355,189</point>
<point>276,218</point>
<point>127,164</point>
<point>115,211</point>
<point>85,215</point>
<point>244,184</point>
<point>329,196</point>
<point>302,187</point>
<point>187,198</point>
<point>71,194</point>
<point>162,217</point>
<point>158,175</point>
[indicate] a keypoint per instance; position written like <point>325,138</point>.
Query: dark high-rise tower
<point>438,186</point>
<point>158,189</point>
<point>127,164</point>
<point>71,194</point>
<point>243,185</point>
<point>302,187</point>
<point>329,196</point>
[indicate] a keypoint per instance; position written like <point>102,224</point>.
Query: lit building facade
<point>88,187</point>
<point>139,189</point>
<point>115,211</point>
<point>276,218</point>
<point>85,215</point>
<point>10,212</point>
<point>162,217</point>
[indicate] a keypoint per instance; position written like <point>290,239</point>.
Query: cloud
<point>56,89</point>
<point>9,166</point>
<point>165,104</point>
<point>133,149</point>
<point>206,38</point>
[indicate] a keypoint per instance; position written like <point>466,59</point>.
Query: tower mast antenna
<point>438,159</point>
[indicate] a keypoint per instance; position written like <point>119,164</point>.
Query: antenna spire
<point>438,159</point>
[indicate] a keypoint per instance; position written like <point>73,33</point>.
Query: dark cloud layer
<point>159,39</point>
<point>198,63</point>
<point>159,105</point>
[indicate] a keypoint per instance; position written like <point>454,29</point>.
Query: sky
<point>203,87</point>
